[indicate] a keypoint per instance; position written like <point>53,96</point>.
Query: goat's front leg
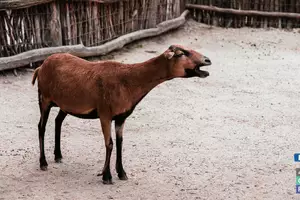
<point>106,129</point>
<point>119,126</point>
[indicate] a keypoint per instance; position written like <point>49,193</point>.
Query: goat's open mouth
<point>201,73</point>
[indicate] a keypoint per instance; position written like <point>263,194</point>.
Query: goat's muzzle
<point>201,73</point>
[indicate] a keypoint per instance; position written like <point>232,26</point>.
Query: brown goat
<point>107,90</point>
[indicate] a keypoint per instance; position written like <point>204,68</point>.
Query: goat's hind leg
<point>45,109</point>
<point>58,122</point>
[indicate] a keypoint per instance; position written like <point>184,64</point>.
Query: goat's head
<point>186,62</point>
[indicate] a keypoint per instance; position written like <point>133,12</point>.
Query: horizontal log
<point>35,55</point>
<point>244,12</point>
<point>17,4</point>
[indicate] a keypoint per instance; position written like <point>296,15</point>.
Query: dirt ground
<point>229,136</point>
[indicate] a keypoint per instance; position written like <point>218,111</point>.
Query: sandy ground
<point>229,136</point>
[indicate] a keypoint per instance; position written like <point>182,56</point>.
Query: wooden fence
<point>35,24</point>
<point>251,13</point>
<point>31,30</point>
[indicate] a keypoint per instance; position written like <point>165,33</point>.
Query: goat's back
<point>70,82</point>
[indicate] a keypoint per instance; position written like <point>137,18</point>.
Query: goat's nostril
<point>207,61</point>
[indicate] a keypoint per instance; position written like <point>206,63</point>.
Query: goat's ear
<point>169,54</point>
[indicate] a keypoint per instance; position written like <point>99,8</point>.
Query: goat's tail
<point>35,75</point>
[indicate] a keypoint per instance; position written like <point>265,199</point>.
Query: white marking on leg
<point>118,128</point>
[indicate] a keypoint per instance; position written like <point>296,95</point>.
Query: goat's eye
<point>178,53</point>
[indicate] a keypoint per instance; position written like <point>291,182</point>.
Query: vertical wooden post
<point>152,16</point>
<point>3,36</point>
<point>89,23</point>
<point>272,9</point>
<point>266,8</point>
<point>96,23</point>
<point>101,14</point>
<point>110,22</point>
<point>176,9</point>
<point>198,13</point>
<point>68,27</point>
<point>208,14</point>
<point>147,11</point>
<point>55,31</point>
<point>233,5</point>
<point>291,9</point>
<point>214,18</point>
<point>134,16</point>
<point>29,30</point>
<point>37,29</point>
<point>182,6</point>
<point>277,9</point>
<point>79,26</point>
<point>141,14</point>
<point>240,18</point>
<point>169,10</point>
<point>121,17</point>
<point>255,19</point>
<point>244,6</point>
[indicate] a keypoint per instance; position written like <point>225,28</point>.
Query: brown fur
<point>78,86</point>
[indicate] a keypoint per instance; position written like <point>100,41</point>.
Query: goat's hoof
<point>107,182</point>
<point>43,164</point>
<point>44,167</point>
<point>123,176</point>
<point>58,160</point>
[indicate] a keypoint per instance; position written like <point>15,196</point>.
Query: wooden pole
<point>121,17</point>
<point>266,8</point>
<point>95,15</point>
<point>277,9</point>
<point>214,17</point>
<point>68,25</point>
<point>55,31</point>
<point>37,28</point>
<point>272,9</point>
<point>182,6</point>
<point>3,36</point>
<point>152,16</point>
<point>290,9</point>
<point>256,2</point>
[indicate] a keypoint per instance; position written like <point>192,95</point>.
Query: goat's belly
<point>85,114</point>
<point>91,115</point>
<point>79,109</point>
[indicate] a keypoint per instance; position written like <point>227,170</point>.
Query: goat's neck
<point>147,75</point>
